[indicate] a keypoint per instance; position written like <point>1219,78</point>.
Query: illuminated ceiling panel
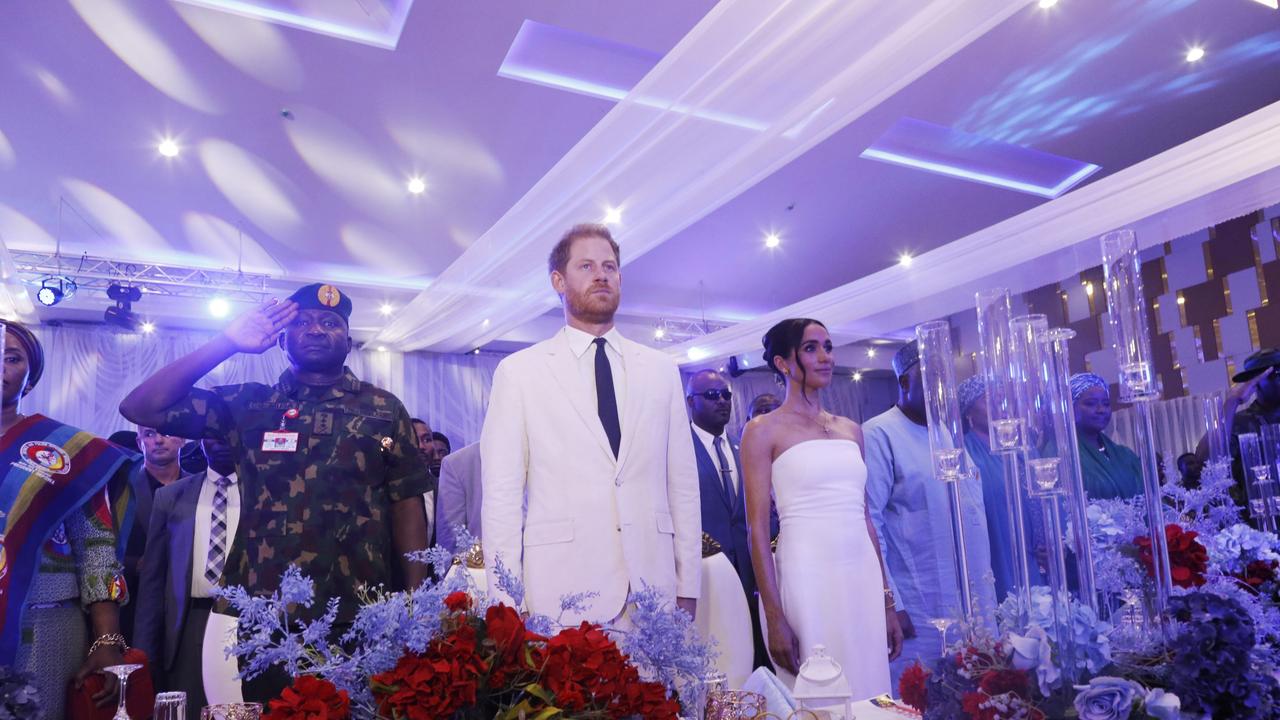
<point>945,151</point>
<point>371,22</point>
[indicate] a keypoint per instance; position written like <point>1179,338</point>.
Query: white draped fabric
<point>1178,423</point>
<point>89,370</point>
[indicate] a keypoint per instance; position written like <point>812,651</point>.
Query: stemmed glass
<point>122,672</point>
<point>942,623</point>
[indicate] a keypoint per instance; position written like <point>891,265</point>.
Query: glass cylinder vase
<point>946,439</point>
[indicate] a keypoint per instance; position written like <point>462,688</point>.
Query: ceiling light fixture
<point>219,307</point>
<point>857,376</point>
<point>417,185</point>
<point>772,240</point>
<point>386,309</point>
<point>148,327</point>
<point>168,147</point>
<point>121,314</point>
<point>613,216</point>
<point>1046,4</point>
<point>905,260</point>
<point>382,348</point>
<point>54,289</point>
<point>659,333</point>
<point>1195,54</point>
<point>871,352</point>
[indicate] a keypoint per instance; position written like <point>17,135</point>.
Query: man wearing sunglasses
<point>724,515</point>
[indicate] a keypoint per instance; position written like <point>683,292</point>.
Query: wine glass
<point>122,672</point>
<point>942,623</point>
<point>232,711</point>
<point>170,706</point>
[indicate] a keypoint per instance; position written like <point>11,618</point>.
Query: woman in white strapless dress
<point>825,586</point>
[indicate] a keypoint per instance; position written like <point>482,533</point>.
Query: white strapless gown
<point>830,580</point>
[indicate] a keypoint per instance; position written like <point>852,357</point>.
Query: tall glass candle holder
<point>1005,422</point>
<point>946,438</point>
<point>1217,434</point>
<point>1270,436</point>
<point>1258,479</point>
<point>1127,317</point>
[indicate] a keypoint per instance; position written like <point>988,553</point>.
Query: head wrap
<point>969,392</point>
<point>906,356</point>
<point>35,353</point>
<point>322,296</point>
<point>1080,382</point>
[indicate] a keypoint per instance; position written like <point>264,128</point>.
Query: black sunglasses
<point>714,395</point>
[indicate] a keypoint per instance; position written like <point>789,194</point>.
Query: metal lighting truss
<point>675,330</point>
<point>97,273</point>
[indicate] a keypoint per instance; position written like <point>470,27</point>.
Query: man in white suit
<point>590,429</point>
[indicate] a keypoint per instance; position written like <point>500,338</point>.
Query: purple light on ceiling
<point>946,151</point>
<point>574,61</point>
<point>370,22</point>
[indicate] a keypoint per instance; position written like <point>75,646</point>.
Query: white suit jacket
<point>593,523</point>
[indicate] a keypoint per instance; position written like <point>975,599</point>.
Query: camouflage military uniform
<point>325,507</point>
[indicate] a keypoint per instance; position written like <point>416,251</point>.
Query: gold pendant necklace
<point>825,428</point>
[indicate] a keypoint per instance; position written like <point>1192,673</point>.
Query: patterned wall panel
<point>1209,301</point>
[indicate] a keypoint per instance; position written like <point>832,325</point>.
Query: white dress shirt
<point>200,585</point>
<point>583,346</point>
<point>709,442</point>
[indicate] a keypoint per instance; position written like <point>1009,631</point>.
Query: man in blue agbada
<point>912,516</point>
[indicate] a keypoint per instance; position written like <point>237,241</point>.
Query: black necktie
<point>606,400</point>
<point>726,476</point>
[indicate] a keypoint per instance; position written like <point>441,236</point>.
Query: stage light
<point>659,333</point>
<point>772,240</point>
<point>121,314</point>
<point>905,260</point>
<point>857,376</point>
<point>871,352</point>
<point>613,216</point>
<point>386,309</point>
<point>219,307</point>
<point>148,327</point>
<point>54,289</point>
<point>168,147</point>
<point>1195,54</point>
<point>417,185</point>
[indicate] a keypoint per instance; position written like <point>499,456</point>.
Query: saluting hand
<point>256,330</point>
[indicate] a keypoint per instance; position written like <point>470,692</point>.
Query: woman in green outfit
<point>1109,470</point>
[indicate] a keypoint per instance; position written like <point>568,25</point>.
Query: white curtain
<point>89,370</point>
<point>1178,423</point>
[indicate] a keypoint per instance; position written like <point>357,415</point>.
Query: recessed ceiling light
<point>659,333</point>
<point>871,352</point>
<point>386,309</point>
<point>613,216</point>
<point>168,147</point>
<point>857,376</point>
<point>148,328</point>
<point>417,185</point>
<point>1195,54</point>
<point>772,240</point>
<point>905,260</point>
<point>219,307</point>
<point>1046,4</point>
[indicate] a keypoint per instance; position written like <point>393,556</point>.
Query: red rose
<point>310,698</point>
<point>433,685</point>
<point>1188,559</point>
<point>457,601</point>
<point>913,686</point>
<point>1258,573</point>
<point>999,682</point>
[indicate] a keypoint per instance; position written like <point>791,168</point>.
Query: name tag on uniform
<point>280,441</point>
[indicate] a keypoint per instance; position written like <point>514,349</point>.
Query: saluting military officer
<point>330,476</point>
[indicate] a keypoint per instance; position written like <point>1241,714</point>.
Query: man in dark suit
<point>193,522</point>
<point>160,466</point>
<point>724,515</point>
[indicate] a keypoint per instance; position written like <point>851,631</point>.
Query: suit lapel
<point>708,473</point>
<point>633,364</point>
<point>564,368</point>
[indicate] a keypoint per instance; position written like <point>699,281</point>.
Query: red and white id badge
<point>280,441</point>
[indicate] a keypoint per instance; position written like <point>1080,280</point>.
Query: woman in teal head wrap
<point>1109,470</point>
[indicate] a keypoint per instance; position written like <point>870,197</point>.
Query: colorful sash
<point>47,471</point>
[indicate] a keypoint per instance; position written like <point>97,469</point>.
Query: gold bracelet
<point>110,639</point>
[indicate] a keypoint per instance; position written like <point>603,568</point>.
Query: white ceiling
<point>88,87</point>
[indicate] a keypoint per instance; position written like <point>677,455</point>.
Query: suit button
<point>619,528</point>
